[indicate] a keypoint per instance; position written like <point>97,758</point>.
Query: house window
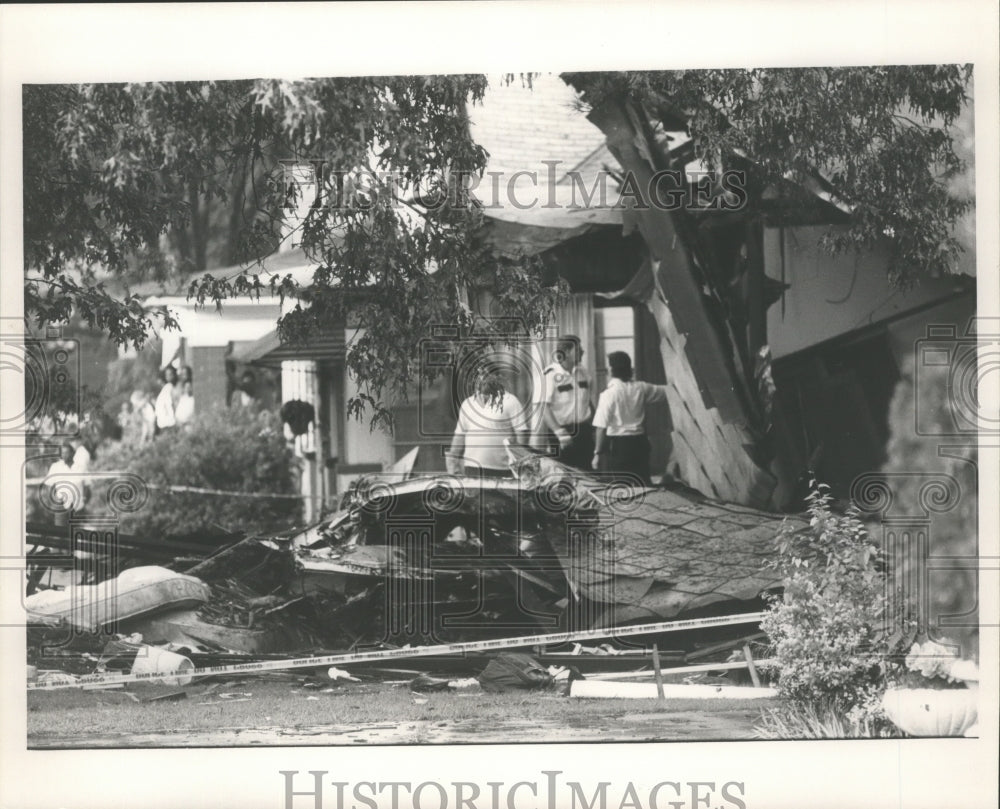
<point>614,330</point>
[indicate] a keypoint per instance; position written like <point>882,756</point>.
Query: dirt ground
<point>270,711</point>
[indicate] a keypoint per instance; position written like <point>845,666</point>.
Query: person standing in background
<point>485,420</point>
<point>81,456</point>
<point>165,406</point>
<point>64,487</point>
<point>184,411</point>
<point>567,409</point>
<point>142,420</point>
<point>245,394</point>
<point>620,443</point>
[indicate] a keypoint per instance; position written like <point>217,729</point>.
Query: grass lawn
<point>283,709</point>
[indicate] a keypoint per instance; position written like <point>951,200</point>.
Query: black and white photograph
<point>624,411</point>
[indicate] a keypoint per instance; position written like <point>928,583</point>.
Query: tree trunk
<point>718,438</point>
<point>198,230</point>
<point>237,202</point>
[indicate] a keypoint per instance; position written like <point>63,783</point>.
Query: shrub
<point>237,450</point>
<point>826,626</point>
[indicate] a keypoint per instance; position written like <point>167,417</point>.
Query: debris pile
<point>443,560</point>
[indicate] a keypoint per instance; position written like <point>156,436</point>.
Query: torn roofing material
<point>564,536</point>
<point>670,554</point>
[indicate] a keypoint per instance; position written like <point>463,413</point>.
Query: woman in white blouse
<point>184,411</point>
<point>165,406</point>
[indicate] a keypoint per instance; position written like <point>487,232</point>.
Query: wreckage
<point>550,548</point>
<point>441,559</point>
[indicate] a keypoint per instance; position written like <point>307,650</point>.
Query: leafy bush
<point>237,450</point>
<point>826,627</point>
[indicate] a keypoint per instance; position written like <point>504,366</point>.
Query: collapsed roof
<point>554,547</point>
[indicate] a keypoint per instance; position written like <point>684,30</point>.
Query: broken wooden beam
<point>699,669</point>
<point>705,651</point>
<point>657,673</point>
<point>611,689</point>
<point>748,656</point>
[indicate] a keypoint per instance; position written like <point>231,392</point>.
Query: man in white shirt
<point>620,443</point>
<point>567,411</point>
<point>485,420</point>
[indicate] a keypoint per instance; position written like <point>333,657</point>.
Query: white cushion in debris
<point>136,591</point>
<point>44,600</point>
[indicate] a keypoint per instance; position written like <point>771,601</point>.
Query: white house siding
<point>362,445</point>
<point>832,295</point>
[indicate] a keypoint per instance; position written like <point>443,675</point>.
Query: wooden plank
<point>718,647</point>
<point>637,675</point>
<point>607,689</point>
<point>658,674</point>
<point>750,665</point>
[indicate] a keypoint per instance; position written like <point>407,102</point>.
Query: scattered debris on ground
<point>435,561</point>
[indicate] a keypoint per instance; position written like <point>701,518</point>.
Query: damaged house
<point>760,335</point>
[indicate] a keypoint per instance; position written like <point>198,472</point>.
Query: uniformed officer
<point>567,410</point>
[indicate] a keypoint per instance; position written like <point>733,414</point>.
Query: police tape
<point>88,477</point>
<point>347,658</point>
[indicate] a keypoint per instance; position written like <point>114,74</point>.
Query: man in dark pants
<point>567,411</point>
<point>620,444</point>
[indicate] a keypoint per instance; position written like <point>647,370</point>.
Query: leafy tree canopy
<point>113,172</point>
<point>109,168</point>
<point>880,138</point>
